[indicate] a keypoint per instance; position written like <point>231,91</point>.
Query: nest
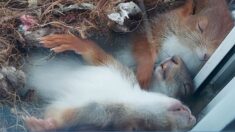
<point>80,17</point>
<point>63,16</point>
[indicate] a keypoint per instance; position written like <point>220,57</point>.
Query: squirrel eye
<point>200,28</point>
<point>202,24</point>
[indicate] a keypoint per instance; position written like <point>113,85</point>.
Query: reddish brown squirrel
<point>105,96</point>
<point>192,31</point>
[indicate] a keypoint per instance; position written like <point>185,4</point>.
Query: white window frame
<point>220,111</point>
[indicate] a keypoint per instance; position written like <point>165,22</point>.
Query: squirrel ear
<point>202,24</point>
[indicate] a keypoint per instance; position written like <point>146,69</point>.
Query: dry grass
<point>82,22</point>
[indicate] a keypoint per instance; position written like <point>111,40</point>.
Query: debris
<point>82,6</point>
<point>28,22</point>
<point>125,10</point>
<point>32,3</point>
<point>127,17</point>
<point>11,80</point>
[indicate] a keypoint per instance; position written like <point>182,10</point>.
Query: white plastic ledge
<point>215,59</point>
<point>221,111</point>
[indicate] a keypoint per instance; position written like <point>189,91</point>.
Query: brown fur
<point>114,116</point>
<point>90,51</point>
<point>181,21</point>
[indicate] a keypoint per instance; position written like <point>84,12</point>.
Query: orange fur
<point>145,66</point>
<point>92,53</point>
<point>145,51</point>
<point>206,18</point>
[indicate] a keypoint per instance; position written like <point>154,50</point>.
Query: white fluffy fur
<point>65,85</point>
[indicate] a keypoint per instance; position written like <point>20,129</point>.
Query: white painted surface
<point>233,14</point>
<point>221,110</point>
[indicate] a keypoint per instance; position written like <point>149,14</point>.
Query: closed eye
<point>200,28</point>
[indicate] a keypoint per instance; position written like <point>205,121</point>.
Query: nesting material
<point>126,18</point>
<point>23,22</point>
<point>11,81</point>
<point>125,10</point>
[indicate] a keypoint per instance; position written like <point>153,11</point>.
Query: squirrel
<point>192,31</point>
<point>103,96</point>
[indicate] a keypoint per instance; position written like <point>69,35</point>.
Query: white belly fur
<point>63,83</point>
